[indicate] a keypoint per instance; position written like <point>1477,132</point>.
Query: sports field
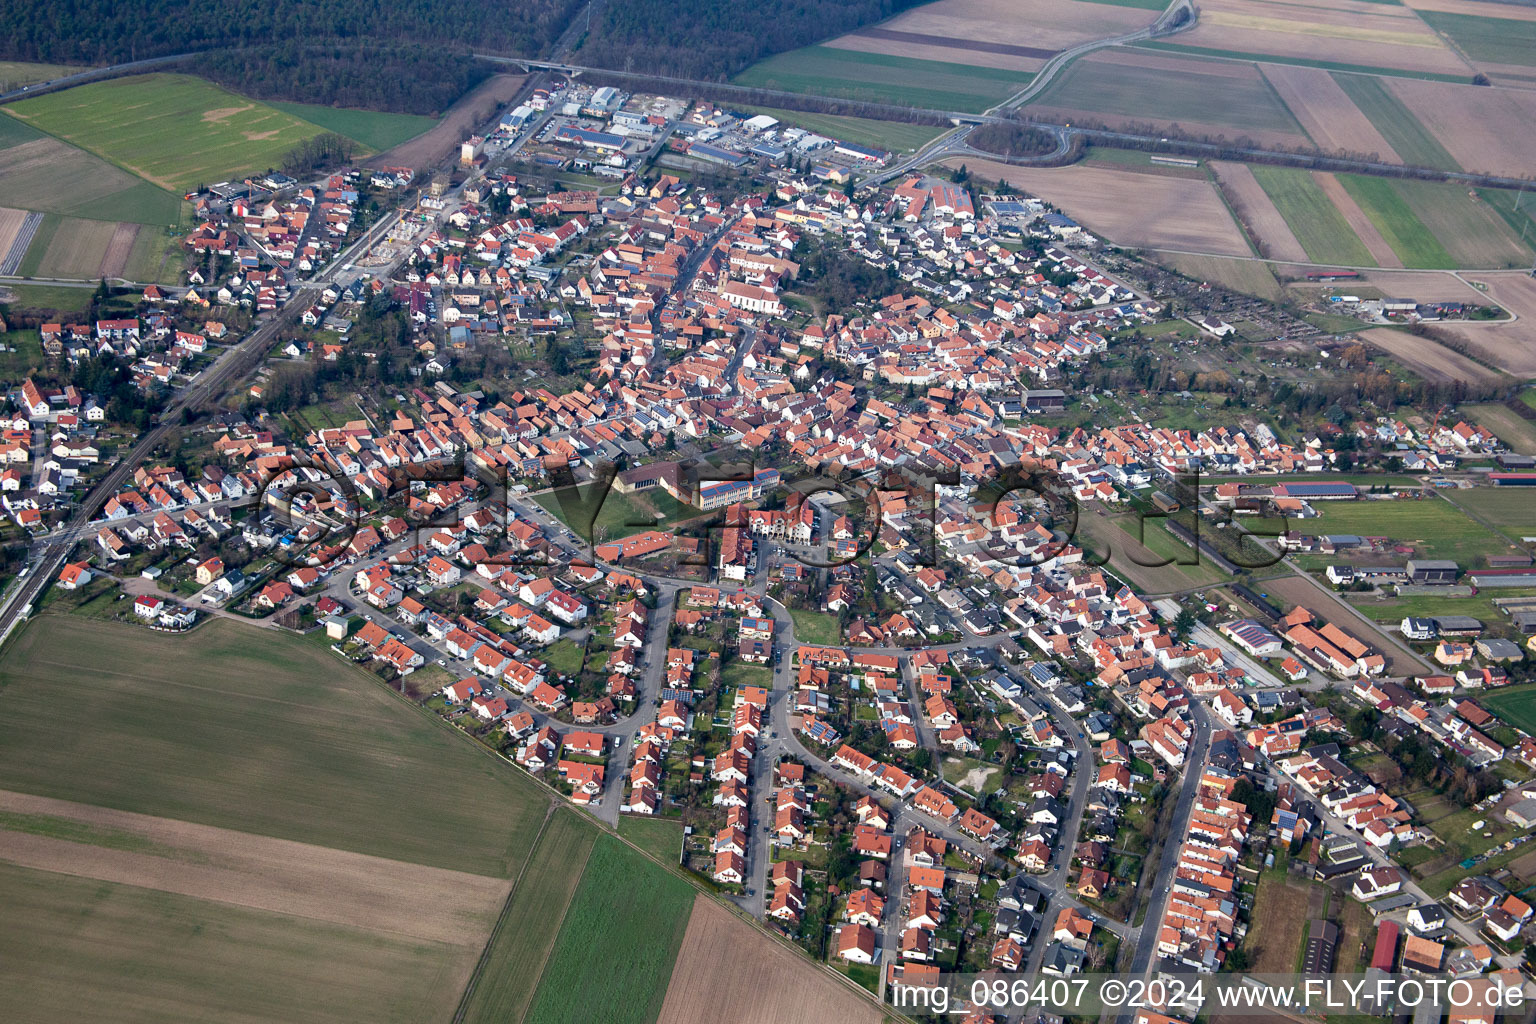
<point>373,129</point>
<point>614,955</point>
<point>877,77</point>
<point>1434,527</point>
<point>1516,705</point>
<point>1313,218</point>
<point>256,732</point>
<point>174,131</point>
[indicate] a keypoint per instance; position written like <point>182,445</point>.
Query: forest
<point>714,39</point>
<point>404,55</point>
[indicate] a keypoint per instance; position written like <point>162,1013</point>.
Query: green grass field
<point>1316,222</point>
<point>1495,40</point>
<point>27,354</point>
<point>614,954</point>
<point>16,73</point>
<point>1504,507</point>
<point>39,172</point>
<point>77,948</point>
<point>1404,132</point>
<point>660,837</point>
<point>1414,244</point>
<point>174,131</point>
<point>1516,207</point>
<point>1516,705</point>
<point>1473,232</point>
<point>1435,527</point>
<point>373,129</point>
<point>254,731</point>
<point>506,984</point>
<point>816,627</point>
<point>1237,104</point>
<point>875,77</point>
<point>54,297</point>
<point>863,131</point>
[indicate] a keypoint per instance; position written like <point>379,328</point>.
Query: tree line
<point>400,55</point>
<point>714,39</point>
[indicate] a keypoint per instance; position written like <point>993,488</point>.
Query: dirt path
<point>278,875</point>
<point>1381,252</point>
<point>436,144</point>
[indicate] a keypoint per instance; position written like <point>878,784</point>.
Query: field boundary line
<point>501,919</point>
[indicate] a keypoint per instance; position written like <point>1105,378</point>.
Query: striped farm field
<point>1416,246</point>
<point>1405,133</point>
<point>1313,218</point>
<point>1473,231</point>
<point>174,131</point>
<point>628,915</point>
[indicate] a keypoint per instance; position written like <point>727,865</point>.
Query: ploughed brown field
<point>1345,31</point>
<point>1486,128</point>
<point>994,33</point>
<point>730,970</point>
<point>436,144</point>
<point>1129,208</point>
<point>1327,113</point>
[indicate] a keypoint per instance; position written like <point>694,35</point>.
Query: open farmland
<point>880,78</point>
<point>78,948</point>
<point>41,173</point>
<point>174,131</point>
<point>1485,39</point>
<point>231,727</point>
<point>994,33</point>
<point>388,896</point>
<point>628,915</point>
<point>729,970</point>
<point>16,73</point>
<point>1127,207</point>
<point>1514,430</point>
<point>505,984</point>
<point>1407,136</point>
<point>1395,221</point>
<point>1257,211</point>
<point>1349,32</point>
<point>434,145</point>
<point>1425,356</point>
<point>1474,124</point>
<point>1326,112</point>
<point>1318,224</point>
<point>372,129</point>
<point>75,249</point>
<point>1473,232</point>
<point>1250,277</point>
<point>1509,346</point>
<point>1216,98</point>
